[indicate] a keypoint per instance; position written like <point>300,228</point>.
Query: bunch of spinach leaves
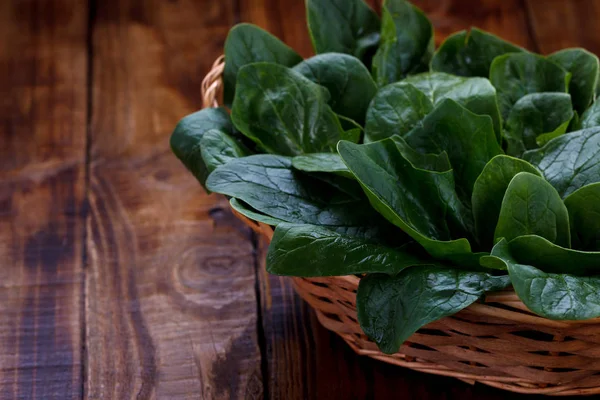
<point>436,175</point>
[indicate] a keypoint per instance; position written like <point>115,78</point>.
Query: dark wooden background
<point>119,277</point>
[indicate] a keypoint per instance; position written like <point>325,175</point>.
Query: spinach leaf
<point>591,117</point>
<point>343,26</point>
<point>186,138</point>
<point>549,257</point>
<point>268,184</point>
<point>247,44</point>
<point>489,190</point>
<point>309,250</point>
<point>284,112</point>
<point>347,79</point>
<point>517,74</point>
<point>468,139</point>
<point>424,204</point>
<point>475,94</point>
<point>531,206</point>
<point>554,296</point>
<point>251,213</point>
<point>584,69</point>
<point>322,162</point>
<point>392,308</point>
<point>218,148</point>
<point>406,42</point>
<point>570,161</point>
<point>584,215</point>
<point>536,119</point>
<point>430,162</point>
<point>395,110</point>
<point>470,53</point>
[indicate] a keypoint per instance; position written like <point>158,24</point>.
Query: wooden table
<point>119,277</point>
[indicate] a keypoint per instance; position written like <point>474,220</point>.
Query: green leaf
<point>392,308</point>
<point>518,74</point>
<point>322,162</point>
<point>584,214</point>
<point>424,204</point>
<point>251,213</point>
<point>218,148</point>
<point>537,117</point>
<point>489,190</point>
<point>247,44</point>
<point>468,139</point>
<point>475,94</point>
<point>395,110</point>
<point>570,161</point>
<point>554,296</point>
<point>584,69</point>
<point>531,206</point>
<point>268,184</point>
<point>347,79</point>
<point>406,42</point>
<point>185,140</point>
<point>591,117</point>
<point>549,257</point>
<point>343,26</point>
<point>284,112</point>
<point>470,53</point>
<point>309,250</point>
<point>430,162</point>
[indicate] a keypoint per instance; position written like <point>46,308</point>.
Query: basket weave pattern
<point>498,341</point>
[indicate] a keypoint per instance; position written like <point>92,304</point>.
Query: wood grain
<point>42,188</point>
<point>557,24</point>
<point>171,305</point>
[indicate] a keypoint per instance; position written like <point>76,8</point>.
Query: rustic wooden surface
<point>120,278</point>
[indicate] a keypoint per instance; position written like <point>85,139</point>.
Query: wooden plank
<point>43,57</point>
<point>507,18</point>
<point>171,305</point>
<point>304,360</point>
<point>558,24</point>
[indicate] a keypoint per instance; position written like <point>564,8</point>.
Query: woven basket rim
<point>504,306</point>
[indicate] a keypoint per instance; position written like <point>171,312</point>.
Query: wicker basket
<point>498,341</point>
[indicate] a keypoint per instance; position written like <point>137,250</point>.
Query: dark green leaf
<point>424,204</point>
<point>591,117</point>
<point>475,94</point>
<point>251,213</point>
<point>247,44</point>
<point>309,250</point>
<point>430,162</point>
<point>391,309</point>
<point>347,79</point>
<point>549,257</point>
<point>343,26</point>
<point>489,191</point>
<point>584,215</point>
<point>470,54</point>
<point>395,110</point>
<point>584,70</point>
<point>531,206</point>
<point>536,119</point>
<point>518,74</point>
<point>468,139</point>
<point>406,42</point>
<point>218,148</point>
<point>322,162</point>
<point>554,296</point>
<point>268,184</point>
<point>570,161</point>
<point>185,140</point>
<point>284,112</point>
